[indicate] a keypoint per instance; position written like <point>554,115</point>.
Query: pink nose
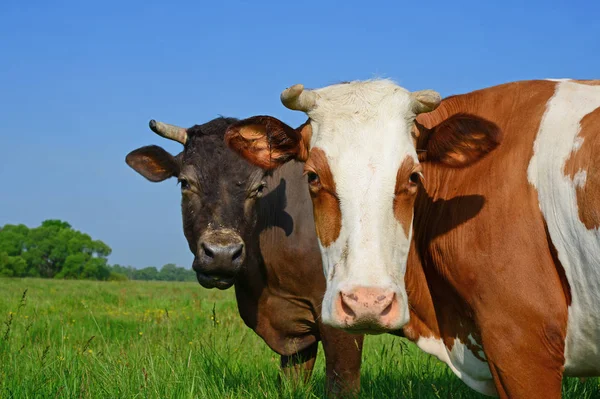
<point>369,309</point>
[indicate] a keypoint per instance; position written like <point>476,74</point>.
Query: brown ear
<point>154,163</point>
<point>267,142</point>
<point>458,141</point>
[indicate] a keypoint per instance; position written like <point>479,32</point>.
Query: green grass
<point>84,339</point>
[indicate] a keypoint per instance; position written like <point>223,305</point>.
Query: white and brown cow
<point>474,228</point>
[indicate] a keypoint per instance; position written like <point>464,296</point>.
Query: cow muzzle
<point>368,310</point>
<point>220,256</point>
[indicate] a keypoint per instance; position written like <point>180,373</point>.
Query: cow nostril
<point>238,253</point>
<point>207,251</point>
<point>347,309</point>
<point>352,296</point>
<point>389,307</point>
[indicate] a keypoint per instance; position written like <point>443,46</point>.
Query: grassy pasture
<point>84,339</point>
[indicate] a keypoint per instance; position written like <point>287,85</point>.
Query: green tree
<point>12,266</point>
<point>46,247</point>
<point>147,273</point>
<point>168,272</point>
<point>56,250</point>
<point>52,250</point>
<point>13,240</point>
<point>127,271</point>
<point>171,272</point>
<point>114,276</point>
<point>96,268</point>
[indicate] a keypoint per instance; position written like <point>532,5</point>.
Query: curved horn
<point>298,99</point>
<point>425,101</point>
<point>170,132</point>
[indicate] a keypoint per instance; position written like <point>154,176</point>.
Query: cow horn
<point>298,99</point>
<point>170,132</point>
<point>425,101</point>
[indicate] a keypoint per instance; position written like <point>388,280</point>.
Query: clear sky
<point>79,81</point>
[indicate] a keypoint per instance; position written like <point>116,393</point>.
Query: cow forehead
<point>364,128</point>
<point>360,102</point>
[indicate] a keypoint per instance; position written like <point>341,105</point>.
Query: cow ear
<point>267,142</point>
<point>154,163</point>
<point>458,141</point>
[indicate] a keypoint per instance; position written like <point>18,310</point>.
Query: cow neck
<point>439,280</point>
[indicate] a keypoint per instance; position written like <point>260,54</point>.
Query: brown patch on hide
<point>581,168</point>
<point>405,193</point>
<point>327,212</point>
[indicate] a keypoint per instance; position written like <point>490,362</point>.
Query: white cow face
<point>363,172</point>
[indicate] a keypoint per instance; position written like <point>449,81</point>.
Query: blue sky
<point>79,81</point>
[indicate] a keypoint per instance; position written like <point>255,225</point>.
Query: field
<point>83,339</point>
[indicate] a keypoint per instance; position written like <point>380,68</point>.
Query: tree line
<point>56,250</point>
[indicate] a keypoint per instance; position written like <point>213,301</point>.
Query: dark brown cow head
<point>218,192</point>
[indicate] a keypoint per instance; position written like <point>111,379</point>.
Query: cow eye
<point>313,178</point>
<point>185,185</point>
<point>415,177</point>
<point>260,189</point>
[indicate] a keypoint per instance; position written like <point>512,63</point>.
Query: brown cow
<point>255,232</point>
<point>474,227</point>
